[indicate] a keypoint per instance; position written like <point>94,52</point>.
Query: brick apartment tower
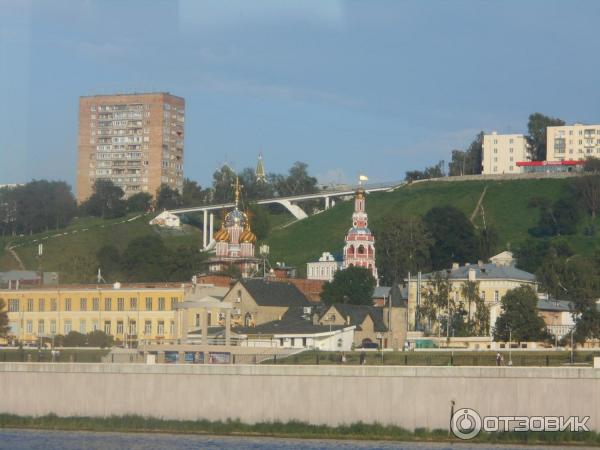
<point>134,140</point>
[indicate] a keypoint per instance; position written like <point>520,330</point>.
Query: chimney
<point>455,266</point>
<point>472,274</point>
<point>480,263</point>
<point>315,319</point>
<point>347,320</point>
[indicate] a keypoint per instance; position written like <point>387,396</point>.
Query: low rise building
<point>324,268</point>
<point>502,152</point>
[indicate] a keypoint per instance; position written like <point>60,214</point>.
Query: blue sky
<point>378,87</point>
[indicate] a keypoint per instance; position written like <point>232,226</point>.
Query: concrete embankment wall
<point>410,397</point>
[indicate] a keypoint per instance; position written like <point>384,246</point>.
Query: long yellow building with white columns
<point>129,313</point>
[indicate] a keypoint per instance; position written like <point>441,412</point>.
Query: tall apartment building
<point>134,140</point>
<point>501,152</point>
<point>572,142</point>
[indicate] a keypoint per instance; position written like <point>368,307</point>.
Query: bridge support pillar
<point>205,229</point>
<point>212,227</point>
<point>327,203</point>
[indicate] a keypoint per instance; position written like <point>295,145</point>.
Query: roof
<point>554,305</point>
<point>294,321</point>
<point>487,271</point>
<point>274,293</point>
<point>19,275</point>
<point>358,313</point>
<point>381,291</point>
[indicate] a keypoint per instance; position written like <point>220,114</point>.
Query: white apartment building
<point>572,142</point>
<point>501,152</point>
<point>324,268</point>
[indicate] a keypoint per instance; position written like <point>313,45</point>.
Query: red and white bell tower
<point>359,250</point>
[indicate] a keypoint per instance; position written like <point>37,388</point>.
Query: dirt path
<point>479,202</point>
<point>15,256</point>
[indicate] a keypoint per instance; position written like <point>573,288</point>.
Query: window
<point>30,305</point>
<point>148,327</point>
<point>94,325</point>
<point>160,330</point>
<point>40,327</point>
<point>107,304</point>
<point>29,326</point>
<point>83,304</point>
<point>96,304</point>
<point>13,305</point>
<point>82,329</point>
<point>120,327</point>
<point>120,304</point>
<point>161,303</point>
<point>148,303</point>
<point>173,303</point>
<point>132,327</point>
<point>133,303</point>
<point>208,319</point>
<point>53,327</point>
<point>496,296</point>
<point>67,327</point>
<point>172,328</point>
<point>67,304</point>
<point>41,305</point>
<point>483,295</point>
<point>197,320</point>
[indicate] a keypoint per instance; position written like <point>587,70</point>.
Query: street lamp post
<point>510,347</point>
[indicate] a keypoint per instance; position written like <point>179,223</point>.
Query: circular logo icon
<point>465,424</point>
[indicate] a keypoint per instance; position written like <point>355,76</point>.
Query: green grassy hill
<point>505,204</point>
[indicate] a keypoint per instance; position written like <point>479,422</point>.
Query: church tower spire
<point>261,177</point>
<point>359,250</point>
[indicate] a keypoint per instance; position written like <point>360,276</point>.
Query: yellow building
<point>501,152</point>
<point>495,279</point>
<point>129,313</point>
<point>572,142</point>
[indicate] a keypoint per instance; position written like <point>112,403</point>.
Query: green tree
<point>467,162</point>
<point>79,269</point>
<point>520,317</point>
<point>146,259</point>
<point>75,339</point>
<point>184,263</point>
<point>167,198</point>
<point>109,261</point>
<point>488,241</point>
<point>453,235</point>
<point>587,189</point>
<point>223,180</point>
<point>194,195</point>
<point>4,328</point>
<point>260,221</point>
<point>106,201</point>
<point>436,299</point>
<point>436,171</point>
<point>254,189</point>
<point>531,253</point>
<point>592,165</point>
<point>297,182</point>
<point>140,202</point>
<point>536,138</point>
<point>354,285</point>
<point>558,218</point>
<point>100,339</point>
<point>402,246</point>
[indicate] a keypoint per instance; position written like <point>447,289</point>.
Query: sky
<point>375,87</point>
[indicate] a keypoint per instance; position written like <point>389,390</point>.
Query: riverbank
<point>296,430</point>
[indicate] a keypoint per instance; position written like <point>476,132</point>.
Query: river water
<point>64,440</point>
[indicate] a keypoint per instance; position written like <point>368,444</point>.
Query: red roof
<point>549,163</point>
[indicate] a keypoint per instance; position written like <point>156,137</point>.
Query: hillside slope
<point>505,204</point>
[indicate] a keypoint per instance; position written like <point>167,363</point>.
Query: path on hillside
<point>10,250</point>
<point>479,202</point>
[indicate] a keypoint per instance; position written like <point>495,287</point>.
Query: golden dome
<point>247,236</point>
<point>222,235</point>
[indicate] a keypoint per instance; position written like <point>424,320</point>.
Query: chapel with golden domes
<point>235,241</point>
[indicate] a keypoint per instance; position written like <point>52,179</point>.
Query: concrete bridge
<point>290,203</point>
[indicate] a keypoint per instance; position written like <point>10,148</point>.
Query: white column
<point>227,327</point>
<point>212,228</point>
<point>326,202</point>
<point>204,229</point>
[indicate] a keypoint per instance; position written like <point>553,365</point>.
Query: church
<point>235,242</point>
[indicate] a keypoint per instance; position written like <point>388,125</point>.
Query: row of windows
<point>15,303</point>
<point>108,329</point>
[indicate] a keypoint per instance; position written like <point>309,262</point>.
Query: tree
<point>109,261</point>
<point>254,189</point>
<point>536,139</point>
<point>436,298</point>
<point>558,218</point>
<point>467,162</point>
<point>488,241</point>
<point>75,339</point>
<point>106,201</point>
<point>454,238</point>
<point>436,171</point>
<point>587,188</point>
<point>167,198</point>
<point>223,180</point>
<point>354,285</point>
<point>297,182</point>
<point>592,165</point>
<point>532,252</point>
<point>520,318</point>
<point>100,339</point>
<point>146,259</point>
<point>4,328</point>
<point>402,246</point>
<point>193,194</point>
<point>184,263</point>
<point>140,202</point>
<point>79,269</point>
<point>260,221</point>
